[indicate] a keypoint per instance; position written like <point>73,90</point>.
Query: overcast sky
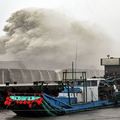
<point>103,13</point>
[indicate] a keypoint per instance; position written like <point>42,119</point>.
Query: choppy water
<point>102,114</point>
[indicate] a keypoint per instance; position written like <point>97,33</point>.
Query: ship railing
<point>24,94</point>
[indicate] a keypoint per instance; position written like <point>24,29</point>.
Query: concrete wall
<point>26,76</point>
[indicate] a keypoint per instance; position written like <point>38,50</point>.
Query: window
<point>80,83</point>
<point>93,83</point>
<point>88,83</point>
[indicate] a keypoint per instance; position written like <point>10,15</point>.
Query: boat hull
<point>52,106</point>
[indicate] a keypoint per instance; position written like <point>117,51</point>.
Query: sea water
<point>100,114</point>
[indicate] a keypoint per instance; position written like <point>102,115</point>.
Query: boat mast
<point>73,80</point>
<point>3,77</point>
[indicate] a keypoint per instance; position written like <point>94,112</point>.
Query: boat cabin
<point>82,93</point>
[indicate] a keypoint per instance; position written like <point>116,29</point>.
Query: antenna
<point>76,55</point>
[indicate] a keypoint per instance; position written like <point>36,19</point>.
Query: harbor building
<point>111,66</point>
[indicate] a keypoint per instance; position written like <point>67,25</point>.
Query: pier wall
<point>26,76</point>
<point>22,73</point>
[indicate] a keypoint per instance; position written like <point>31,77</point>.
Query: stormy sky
<point>49,33</point>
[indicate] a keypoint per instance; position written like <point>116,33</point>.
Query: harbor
<point>59,60</point>
<point>74,93</point>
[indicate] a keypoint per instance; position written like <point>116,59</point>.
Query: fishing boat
<point>75,93</point>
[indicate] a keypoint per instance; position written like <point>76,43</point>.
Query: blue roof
<point>71,90</point>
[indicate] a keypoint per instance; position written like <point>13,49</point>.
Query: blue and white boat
<point>73,94</point>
